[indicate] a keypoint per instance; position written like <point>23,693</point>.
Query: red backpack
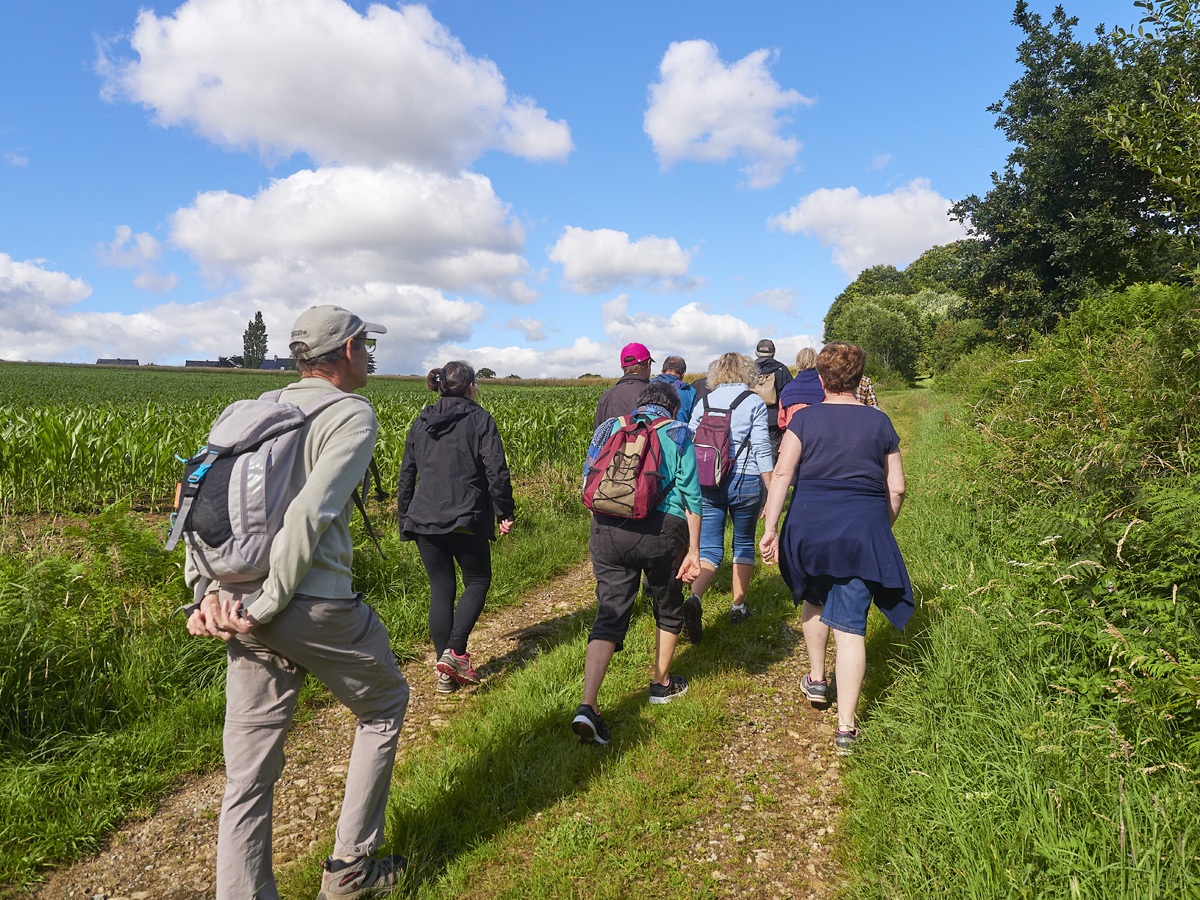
<point>624,480</point>
<point>714,462</point>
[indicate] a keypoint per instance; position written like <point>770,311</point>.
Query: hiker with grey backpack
<point>264,514</point>
<point>733,458</point>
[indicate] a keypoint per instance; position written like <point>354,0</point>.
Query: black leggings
<point>450,624</point>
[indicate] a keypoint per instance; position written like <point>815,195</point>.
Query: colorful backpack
<point>714,462</point>
<point>237,488</point>
<point>624,479</point>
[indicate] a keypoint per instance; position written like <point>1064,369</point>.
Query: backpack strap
<point>187,497</point>
<point>746,442</point>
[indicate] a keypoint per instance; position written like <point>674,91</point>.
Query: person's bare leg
<point>851,667</point>
<point>742,573</point>
<point>599,655</point>
<point>704,579</point>
<point>816,636</point>
<point>664,649</point>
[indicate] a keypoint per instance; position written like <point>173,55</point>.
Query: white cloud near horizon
<point>597,261</point>
<point>342,226</point>
<point>37,322</point>
<point>706,110</point>
<point>867,230</point>
<point>691,331</point>
<point>315,76</point>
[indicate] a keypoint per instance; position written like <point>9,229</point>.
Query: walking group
<point>265,510</point>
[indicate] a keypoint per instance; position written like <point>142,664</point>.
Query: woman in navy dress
<point>837,552</point>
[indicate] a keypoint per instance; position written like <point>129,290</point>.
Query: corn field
<point>79,439</point>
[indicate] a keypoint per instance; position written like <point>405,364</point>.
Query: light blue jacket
<point>750,418</point>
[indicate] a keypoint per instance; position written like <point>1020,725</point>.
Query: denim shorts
<point>741,499</point>
<point>845,602</point>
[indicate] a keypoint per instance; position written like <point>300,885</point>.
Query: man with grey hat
<point>308,618</point>
<point>773,377</point>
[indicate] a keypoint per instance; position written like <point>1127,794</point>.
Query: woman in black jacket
<point>453,488</point>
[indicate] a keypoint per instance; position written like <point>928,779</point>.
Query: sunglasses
<point>367,342</point>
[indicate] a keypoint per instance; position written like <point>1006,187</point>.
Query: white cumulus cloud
<point>16,159</point>
<point>866,230</point>
<point>338,227</point>
<point>316,76</point>
<point>706,110</point>
<point>779,299</point>
<point>533,329</point>
<point>600,260</point>
<point>140,251</point>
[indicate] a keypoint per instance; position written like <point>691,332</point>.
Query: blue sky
<point>525,186</point>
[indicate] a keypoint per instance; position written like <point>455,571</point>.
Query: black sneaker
<point>817,692</point>
<point>665,693</point>
<point>589,726</point>
<point>693,628</point>
<point>362,877</point>
<point>739,614</point>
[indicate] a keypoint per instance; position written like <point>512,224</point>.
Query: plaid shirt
<point>865,392</point>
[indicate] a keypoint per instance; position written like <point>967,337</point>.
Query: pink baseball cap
<point>632,354</point>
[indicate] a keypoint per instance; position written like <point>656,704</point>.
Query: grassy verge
<point>108,700</point>
<point>981,776</point>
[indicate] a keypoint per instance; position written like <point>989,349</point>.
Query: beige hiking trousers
<point>345,645</point>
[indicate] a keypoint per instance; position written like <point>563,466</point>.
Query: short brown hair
<point>325,364</point>
<point>675,364</point>
<point>840,366</point>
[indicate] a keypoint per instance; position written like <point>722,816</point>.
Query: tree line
<point>1101,191</point>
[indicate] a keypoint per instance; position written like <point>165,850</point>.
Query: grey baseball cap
<point>325,328</point>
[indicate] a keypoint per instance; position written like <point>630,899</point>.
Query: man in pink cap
<point>621,399</point>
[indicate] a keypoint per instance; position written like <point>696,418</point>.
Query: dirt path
<point>778,751</point>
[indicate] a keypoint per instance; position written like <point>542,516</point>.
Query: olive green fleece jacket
<point>312,553</point>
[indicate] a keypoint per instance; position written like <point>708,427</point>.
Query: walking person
<point>622,398</point>
<point>453,489</point>
<point>739,498</point>
<point>837,552</point>
<point>773,376</point>
<point>665,545</point>
<point>803,390</point>
<point>305,617</point>
<point>673,370</point>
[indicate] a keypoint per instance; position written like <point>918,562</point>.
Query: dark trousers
<point>450,623</point>
<point>621,551</point>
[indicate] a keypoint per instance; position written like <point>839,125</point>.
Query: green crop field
<point>104,698</point>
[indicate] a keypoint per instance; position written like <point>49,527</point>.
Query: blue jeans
<point>741,498</point>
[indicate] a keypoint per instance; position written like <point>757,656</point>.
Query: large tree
<point>1161,132</point>
<point>254,342</point>
<point>871,282</point>
<point>1069,215</point>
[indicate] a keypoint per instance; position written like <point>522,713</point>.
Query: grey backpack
<point>236,489</point>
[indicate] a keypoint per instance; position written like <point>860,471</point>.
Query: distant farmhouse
<point>202,364</point>
<point>278,365</point>
<point>116,362</point>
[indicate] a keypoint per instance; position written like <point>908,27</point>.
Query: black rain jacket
<point>454,475</point>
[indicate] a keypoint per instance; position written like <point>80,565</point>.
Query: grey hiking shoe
<point>843,740</point>
<point>739,614</point>
<point>817,692</point>
<point>693,628</point>
<point>362,877</point>
<point>446,684</point>
<point>457,667</point>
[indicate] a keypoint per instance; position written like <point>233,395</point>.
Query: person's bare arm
<point>781,480</point>
<point>894,472</point>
